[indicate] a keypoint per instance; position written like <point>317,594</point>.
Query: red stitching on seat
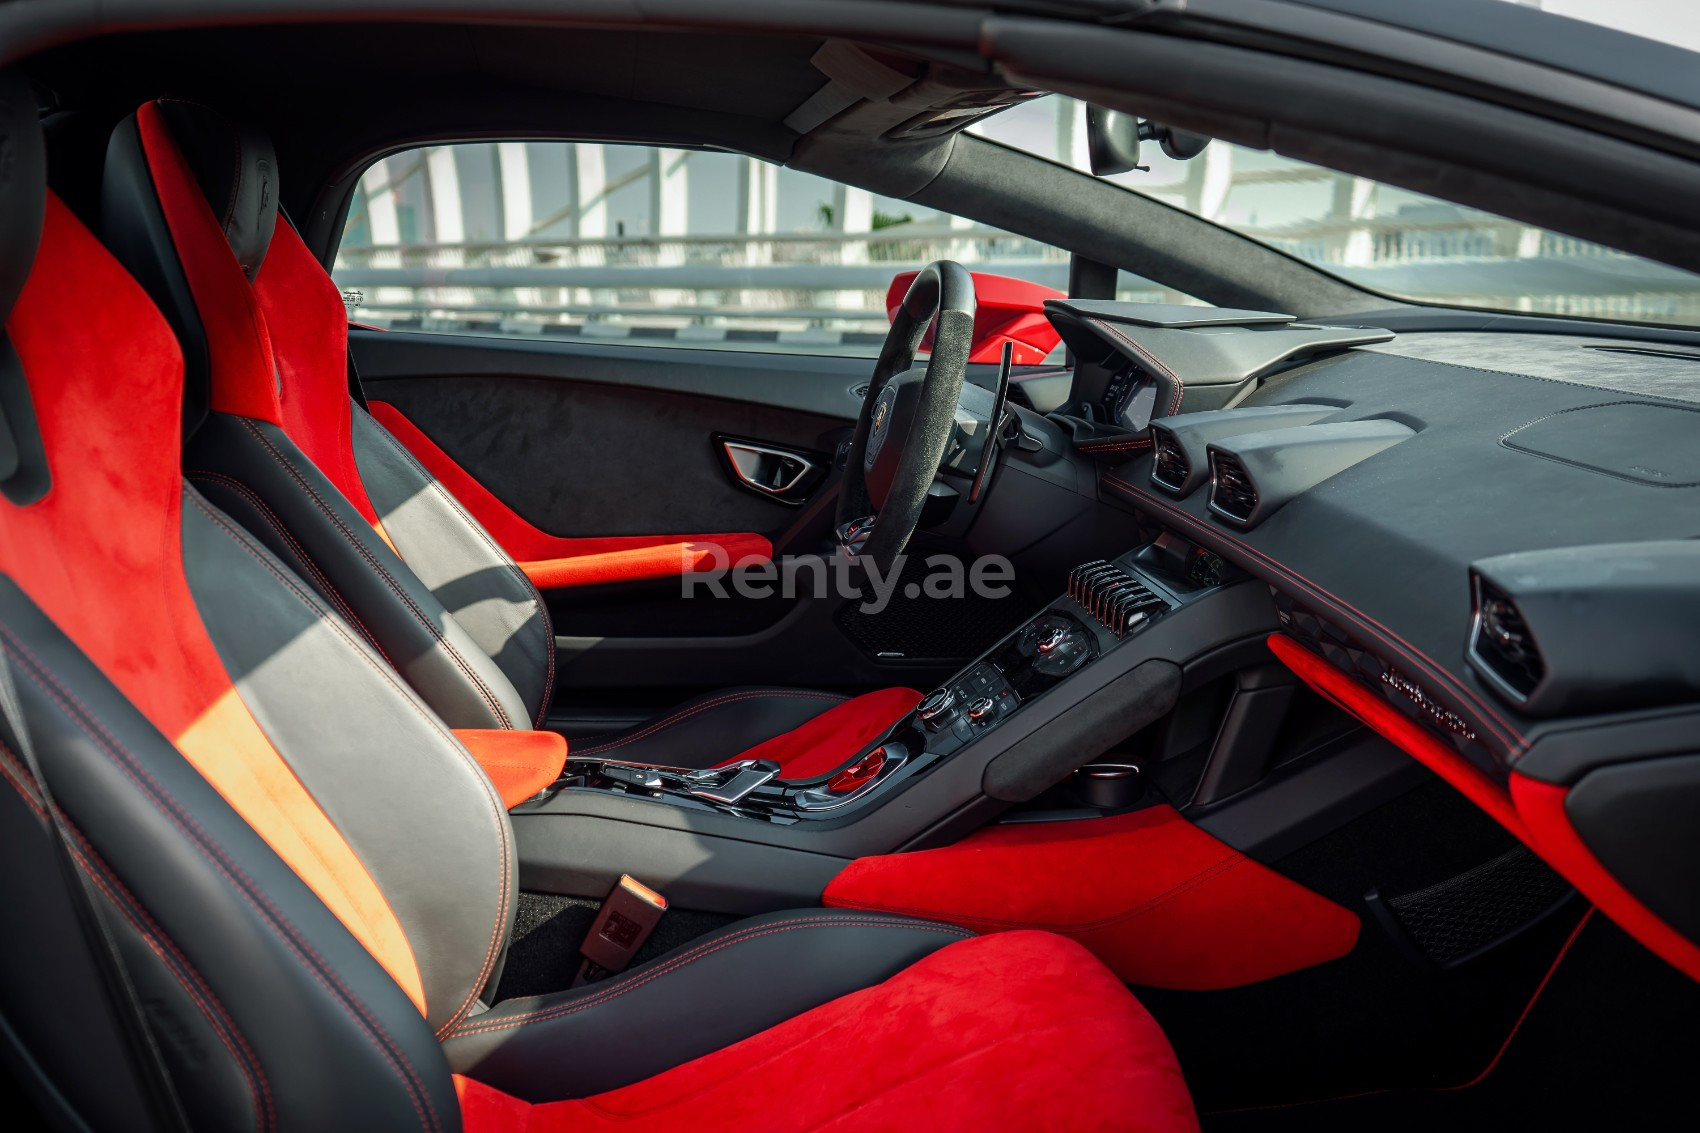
<point>251,894</point>
<point>495,549</point>
<point>301,555</point>
<point>94,867</point>
<point>492,951</point>
<point>389,579</point>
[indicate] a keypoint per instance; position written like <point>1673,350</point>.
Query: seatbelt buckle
<point>627,919</point>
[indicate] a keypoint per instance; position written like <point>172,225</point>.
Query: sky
<point>1670,21</point>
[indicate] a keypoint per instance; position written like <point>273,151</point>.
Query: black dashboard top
<point>1161,314</point>
<point>1384,548</point>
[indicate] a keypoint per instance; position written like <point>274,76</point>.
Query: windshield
<point>1387,239</point>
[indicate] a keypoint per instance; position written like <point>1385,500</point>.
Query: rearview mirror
<point>1112,141</point>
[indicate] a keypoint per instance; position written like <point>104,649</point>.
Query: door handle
<point>777,473</point>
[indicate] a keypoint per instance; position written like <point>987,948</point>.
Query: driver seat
<point>276,440</point>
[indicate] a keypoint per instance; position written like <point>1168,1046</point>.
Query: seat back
<point>307,877</point>
<point>190,206</point>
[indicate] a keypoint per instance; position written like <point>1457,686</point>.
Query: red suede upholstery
<point>1551,835</point>
<point>1007,310</point>
<point>306,319</point>
<point>245,381</point>
<point>1403,732</point>
<point>1157,899</point>
<point>830,739</point>
<point>101,555</point>
<point>633,558</point>
<point>1529,808</point>
<point>968,1038</point>
<point>558,560</point>
<point>277,349</point>
<point>519,763</point>
<point>85,332</point>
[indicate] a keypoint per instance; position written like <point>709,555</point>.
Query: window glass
<point>1378,236</point>
<point>633,243</point>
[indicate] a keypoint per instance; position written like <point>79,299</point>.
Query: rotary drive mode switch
<point>1056,645</point>
<point>1115,598</point>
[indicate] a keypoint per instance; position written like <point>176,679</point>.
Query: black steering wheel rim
<point>943,291</point>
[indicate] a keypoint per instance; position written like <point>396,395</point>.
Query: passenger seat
<point>275,439</point>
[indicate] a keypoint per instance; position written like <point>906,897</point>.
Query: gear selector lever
<point>731,783</point>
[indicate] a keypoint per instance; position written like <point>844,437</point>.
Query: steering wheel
<point>906,416</point>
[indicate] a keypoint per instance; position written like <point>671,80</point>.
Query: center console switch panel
<point>1106,603</point>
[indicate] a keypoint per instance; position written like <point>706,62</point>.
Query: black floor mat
<point>1611,1042</point>
<point>1376,1018</point>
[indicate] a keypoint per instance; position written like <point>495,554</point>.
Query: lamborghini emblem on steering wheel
<point>878,425</point>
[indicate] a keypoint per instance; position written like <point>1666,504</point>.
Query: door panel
<point>603,444</point>
<point>579,459</point>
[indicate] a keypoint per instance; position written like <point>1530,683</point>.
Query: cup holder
<point>1109,786</point>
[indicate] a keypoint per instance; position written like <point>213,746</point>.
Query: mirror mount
<point>1182,145</point>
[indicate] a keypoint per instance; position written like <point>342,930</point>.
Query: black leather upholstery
<point>710,729</point>
<point>256,473</point>
<point>453,613</point>
<point>380,764</point>
<point>237,171</point>
<point>462,565</point>
<point>23,187</point>
<point>268,1012</point>
<point>23,192</point>
<point>719,989</point>
<point>133,227</point>
<point>271,1014</point>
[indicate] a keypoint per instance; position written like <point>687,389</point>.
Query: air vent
<point>1254,475</point>
<point>1172,468</point>
<point>1231,491</point>
<point>1501,645</point>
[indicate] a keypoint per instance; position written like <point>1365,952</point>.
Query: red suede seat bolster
<point>519,763</point>
<point>1017,1031</point>
<point>828,741</point>
<point>554,561</point>
<point>277,350</point>
<point>1160,901</point>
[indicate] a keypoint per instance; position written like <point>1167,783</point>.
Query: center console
<point>1106,605</point>
<point>1016,727</point>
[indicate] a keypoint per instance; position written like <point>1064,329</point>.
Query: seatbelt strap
<point>355,389</point>
<point>167,1113</point>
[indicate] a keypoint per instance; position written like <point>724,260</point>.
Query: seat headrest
<point>23,186</point>
<point>236,168</point>
<point>189,207</point>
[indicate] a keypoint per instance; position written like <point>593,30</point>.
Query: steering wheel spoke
<point>853,536</point>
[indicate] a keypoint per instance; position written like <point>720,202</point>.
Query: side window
<point>692,248</point>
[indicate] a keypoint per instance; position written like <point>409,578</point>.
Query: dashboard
<point>1482,545</point>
